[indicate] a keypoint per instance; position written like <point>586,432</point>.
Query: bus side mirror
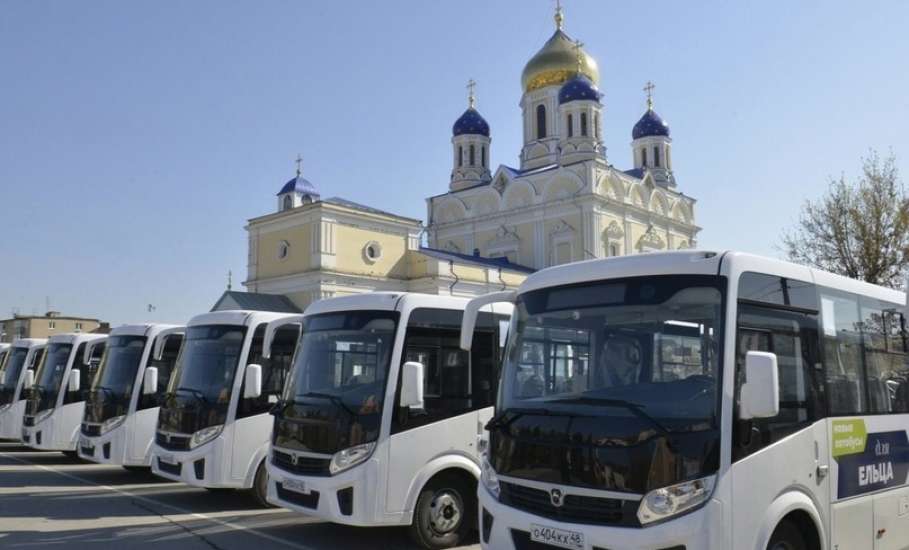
<point>2,377</point>
<point>150,381</point>
<point>29,378</point>
<point>75,380</point>
<point>760,397</point>
<point>412,385</point>
<point>252,383</point>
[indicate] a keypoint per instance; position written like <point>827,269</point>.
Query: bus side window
<point>165,369</point>
<point>885,358</point>
<point>843,353</point>
<point>793,337</point>
<point>75,397</point>
<point>454,382</point>
<point>274,369</point>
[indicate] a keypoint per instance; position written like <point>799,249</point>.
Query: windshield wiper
<point>502,420</point>
<point>635,408</point>
<point>333,398</point>
<point>194,392</point>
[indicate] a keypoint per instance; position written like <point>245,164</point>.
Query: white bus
<point>22,355</point>
<point>121,411</point>
<point>697,400</point>
<point>57,389</point>
<point>381,415</point>
<point>213,425</point>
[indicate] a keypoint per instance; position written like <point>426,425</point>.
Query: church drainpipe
<point>504,286</point>
<point>453,274</point>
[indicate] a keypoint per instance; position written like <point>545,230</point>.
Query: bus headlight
<point>348,458</point>
<point>205,435</point>
<point>488,476</point>
<point>667,502</point>
<point>112,423</point>
<point>43,415</point>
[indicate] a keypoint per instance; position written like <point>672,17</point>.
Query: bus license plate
<point>294,485</point>
<point>557,537</point>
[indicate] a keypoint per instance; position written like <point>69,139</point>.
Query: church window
<point>483,156</point>
<point>596,126</point>
<point>614,249</point>
<point>372,251</point>
<point>656,157</point>
<point>288,203</point>
<point>584,124</point>
<point>472,156</point>
<point>570,126</point>
<point>283,250</point>
<point>460,156</point>
<point>643,157</point>
<point>541,121</point>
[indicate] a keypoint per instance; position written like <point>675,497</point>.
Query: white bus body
<point>213,425</point>
<point>693,400</point>
<point>56,398</point>
<point>382,413</point>
<point>121,411</point>
<point>22,356</point>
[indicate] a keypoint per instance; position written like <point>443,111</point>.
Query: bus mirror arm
<point>272,328</point>
<point>161,341</point>
<point>89,352</point>
<point>760,394</point>
<point>472,310</point>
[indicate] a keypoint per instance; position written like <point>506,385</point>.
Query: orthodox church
<point>564,203</point>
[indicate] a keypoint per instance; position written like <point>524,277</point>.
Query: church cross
<point>579,55</point>
<point>299,162</point>
<point>558,15</point>
<point>471,97</point>
<point>649,90</point>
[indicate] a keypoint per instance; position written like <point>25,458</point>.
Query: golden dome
<point>556,62</point>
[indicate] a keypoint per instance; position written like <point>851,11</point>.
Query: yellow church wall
<point>575,222</point>
<point>350,243</point>
<point>298,260</point>
<point>525,233</point>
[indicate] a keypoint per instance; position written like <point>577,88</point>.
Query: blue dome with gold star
<point>579,88</point>
<point>651,124</point>
<point>471,122</point>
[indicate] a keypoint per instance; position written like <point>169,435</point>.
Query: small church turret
<point>470,146</point>
<point>579,117</point>
<point>651,144</point>
<point>298,191</point>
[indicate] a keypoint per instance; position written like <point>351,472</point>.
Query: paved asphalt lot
<point>50,501</point>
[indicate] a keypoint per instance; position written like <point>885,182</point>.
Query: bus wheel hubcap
<point>444,512</point>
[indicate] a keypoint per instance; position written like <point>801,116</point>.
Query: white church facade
<point>565,202</point>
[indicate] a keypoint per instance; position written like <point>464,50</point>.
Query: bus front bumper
<point>511,529</point>
<point>43,436</point>
<point>348,498</point>
<point>200,467</point>
<point>11,421</point>
<point>109,448</point>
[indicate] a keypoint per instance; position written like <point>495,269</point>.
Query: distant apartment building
<point>42,326</point>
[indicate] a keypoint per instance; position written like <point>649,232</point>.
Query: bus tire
<point>259,489</point>
<point>441,517</point>
<point>137,469</point>
<point>787,536</point>
<point>72,455</point>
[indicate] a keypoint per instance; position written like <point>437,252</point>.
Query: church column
<point>539,245</point>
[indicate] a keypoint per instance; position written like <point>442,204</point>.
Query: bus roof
<point>146,329</point>
<point>234,317</point>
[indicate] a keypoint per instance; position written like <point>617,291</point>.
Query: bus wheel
<point>787,536</point>
<point>441,517</point>
<point>72,455</point>
<point>260,487</point>
<point>137,469</point>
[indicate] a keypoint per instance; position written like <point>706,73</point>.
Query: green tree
<point>858,229</point>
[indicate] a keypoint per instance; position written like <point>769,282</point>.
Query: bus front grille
<point>303,465</point>
<point>172,442</point>
<point>575,508</point>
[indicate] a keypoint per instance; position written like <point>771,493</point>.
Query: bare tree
<point>858,229</point>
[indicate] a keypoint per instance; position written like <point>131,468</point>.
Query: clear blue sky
<point>137,138</point>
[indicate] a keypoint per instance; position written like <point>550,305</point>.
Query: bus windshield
<point>646,347</point>
<point>112,387</point>
<point>343,358</point>
<point>12,368</point>
<point>49,376</point>
<point>207,363</point>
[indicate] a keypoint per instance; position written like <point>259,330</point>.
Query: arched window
<point>288,202</point>
<point>460,156</point>
<point>584,124</point>
<point>541,121</point>
<point>483,156</point>
<point>472,156</point>
<point>570,126</point>
<point>643,156</point>
<point>596,125</point>
<point>656,157</point>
